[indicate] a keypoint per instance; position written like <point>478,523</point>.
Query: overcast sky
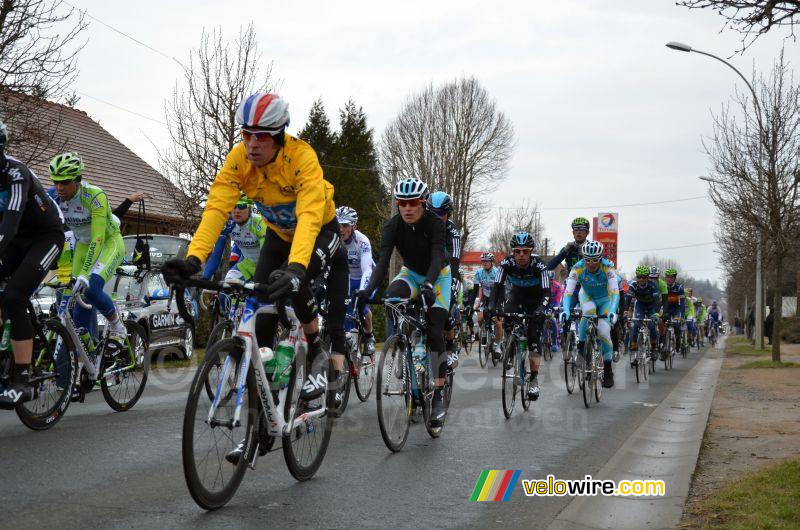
<point>604,113</point>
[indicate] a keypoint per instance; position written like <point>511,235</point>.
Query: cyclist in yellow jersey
<point>282,175</point>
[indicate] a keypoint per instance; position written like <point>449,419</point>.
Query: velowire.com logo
<point>495,485</point>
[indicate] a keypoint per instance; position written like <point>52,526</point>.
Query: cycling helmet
<point>699,300</point>
<point>346,215</point>
<point>244,200</point>
<point>66,166</point>
<point>580,223</point>
<point>671,272</point>
<point>522,240</point>
<point>642,270</point>
<point>487,256</point>
<point>713,302</point>
<point>410,188</point>
<point>440,203</point>
<point>3,137</point>
<point>654,272</point>
<point>592,249</point>
<point>263,112</point>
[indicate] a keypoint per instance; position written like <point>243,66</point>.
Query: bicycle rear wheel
<point>365,377</point>
<point>53,372</point>
<point>510,381</point>
<point>211,479</point>
<point>393,395</point>
<point>123,385</point>
<point>305,445</point>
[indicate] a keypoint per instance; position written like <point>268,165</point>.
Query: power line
<point>349,167</point>
<point>137,41</point>
<point>670,248</point>
<point>121,108</point>
<point>611,206</point>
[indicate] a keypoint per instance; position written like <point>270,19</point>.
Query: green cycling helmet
<point>66,166</point>
<point>244,201</point>
<point>642,270</point>
<point>671,272</point>
<point>580,223</point>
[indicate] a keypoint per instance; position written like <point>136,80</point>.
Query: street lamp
<point>759,316</point>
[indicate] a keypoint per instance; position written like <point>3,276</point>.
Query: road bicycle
<point>548,335</point>
<point>119,369</point>
<point>52,372</point>
<point>516,367</point>
<point>670,342</point>
<point>406,373</point>
<point>640,359</point>
<point>467,337</point>
<point>249,407</point>
<point>569,349</point>
<point>486,340</point>
<point>591,373</point>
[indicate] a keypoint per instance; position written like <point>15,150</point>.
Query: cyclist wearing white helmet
<point>282,176</point>
<point>359,258</point>
<point>599,295</point>
<point>483,282</point>
<point>419,237</point>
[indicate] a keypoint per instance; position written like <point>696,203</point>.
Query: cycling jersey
<point>453,248</point>
<point>599,285</point>
<point>557,290</point>
<point>690,312</point>
<point>571,255</point>
<point>675,299</point>
<point>532,275</point>
<point>94,226</point>
<point>484,280</point>
<point>359,258</point>
<point>421,246</point>
<point>715,314</point>
<point>26,210</point>
<point>648,294</point>
<point>247,238</point>
<point>290,193</point>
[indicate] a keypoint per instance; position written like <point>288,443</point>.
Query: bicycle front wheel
<point>53,373</point>
<point>365,377</point>
<point>482,349</point>
<point>598,369</point>
<point>393,395</point>
<point>125,380</point>
<point>305,445</point>
<point>223,330</point>
<point>510,379</point>
<point>211,476</point>
<point>589,371</point>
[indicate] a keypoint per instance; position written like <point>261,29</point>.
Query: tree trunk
<point>797,293</point>
<point>777,308</point>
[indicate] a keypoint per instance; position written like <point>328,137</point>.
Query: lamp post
<point>759,316</point>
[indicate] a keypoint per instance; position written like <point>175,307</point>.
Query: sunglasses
<point>592,260</point>
<point>242,206</point>
<point>408,202</point>
<point>521,250</point>
<point>641,277</point>
<point>259,135</point>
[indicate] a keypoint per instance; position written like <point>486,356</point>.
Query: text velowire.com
<point>587,486</point>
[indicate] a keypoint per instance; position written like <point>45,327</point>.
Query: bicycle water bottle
<point>88,342</point>
<point>419,355</point>
<point>284,354</point>
<point>5,343</point>
<point>268,360</point>
<point>523,344</point>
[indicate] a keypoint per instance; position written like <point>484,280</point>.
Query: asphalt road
<point>98,468</point>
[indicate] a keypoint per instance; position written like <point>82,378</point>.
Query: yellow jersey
<point>290,193</point>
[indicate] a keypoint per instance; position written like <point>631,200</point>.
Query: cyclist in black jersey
<point>571,253</point>
<point>31,239</point>
<point>419,237</point>
<point>441,204</point>
<point>530,293</point>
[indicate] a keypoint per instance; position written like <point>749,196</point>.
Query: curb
<point>664,447</point>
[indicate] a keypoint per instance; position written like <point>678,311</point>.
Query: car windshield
<point>128,288</point>
<point>162,248</point>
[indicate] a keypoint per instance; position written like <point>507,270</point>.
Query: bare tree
<point>755,159</point>
<point>201,116</point>
<point>454,138</point>
<point>39,45</point>
<point>524,217</point>
<point>752,18</point>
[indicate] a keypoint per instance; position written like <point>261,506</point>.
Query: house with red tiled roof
<point>108,164</point>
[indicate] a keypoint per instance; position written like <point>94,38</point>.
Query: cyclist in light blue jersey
<point>483,280</point>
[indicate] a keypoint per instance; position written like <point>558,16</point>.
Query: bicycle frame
<point>246,332</point>
<point>406,325</point>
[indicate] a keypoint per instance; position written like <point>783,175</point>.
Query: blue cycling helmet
<point>410,188</point>
<point>440,203</point>
<point>522,240</point>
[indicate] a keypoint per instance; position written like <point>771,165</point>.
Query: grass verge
<point>768,363</point>
<point>766,499</point>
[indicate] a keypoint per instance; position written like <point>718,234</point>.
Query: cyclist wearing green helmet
<point>98,243</point>
<point>247,229</point>
<point>646,297</point>
<point>571,253</point>
<point>676,303</point>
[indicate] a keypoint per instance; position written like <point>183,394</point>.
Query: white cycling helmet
<point>346,215</point>
<point>592,249</point>
<point>263,112</point>
<point>411,188</point>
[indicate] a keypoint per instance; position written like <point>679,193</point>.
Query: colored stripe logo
<point>495,485</point>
